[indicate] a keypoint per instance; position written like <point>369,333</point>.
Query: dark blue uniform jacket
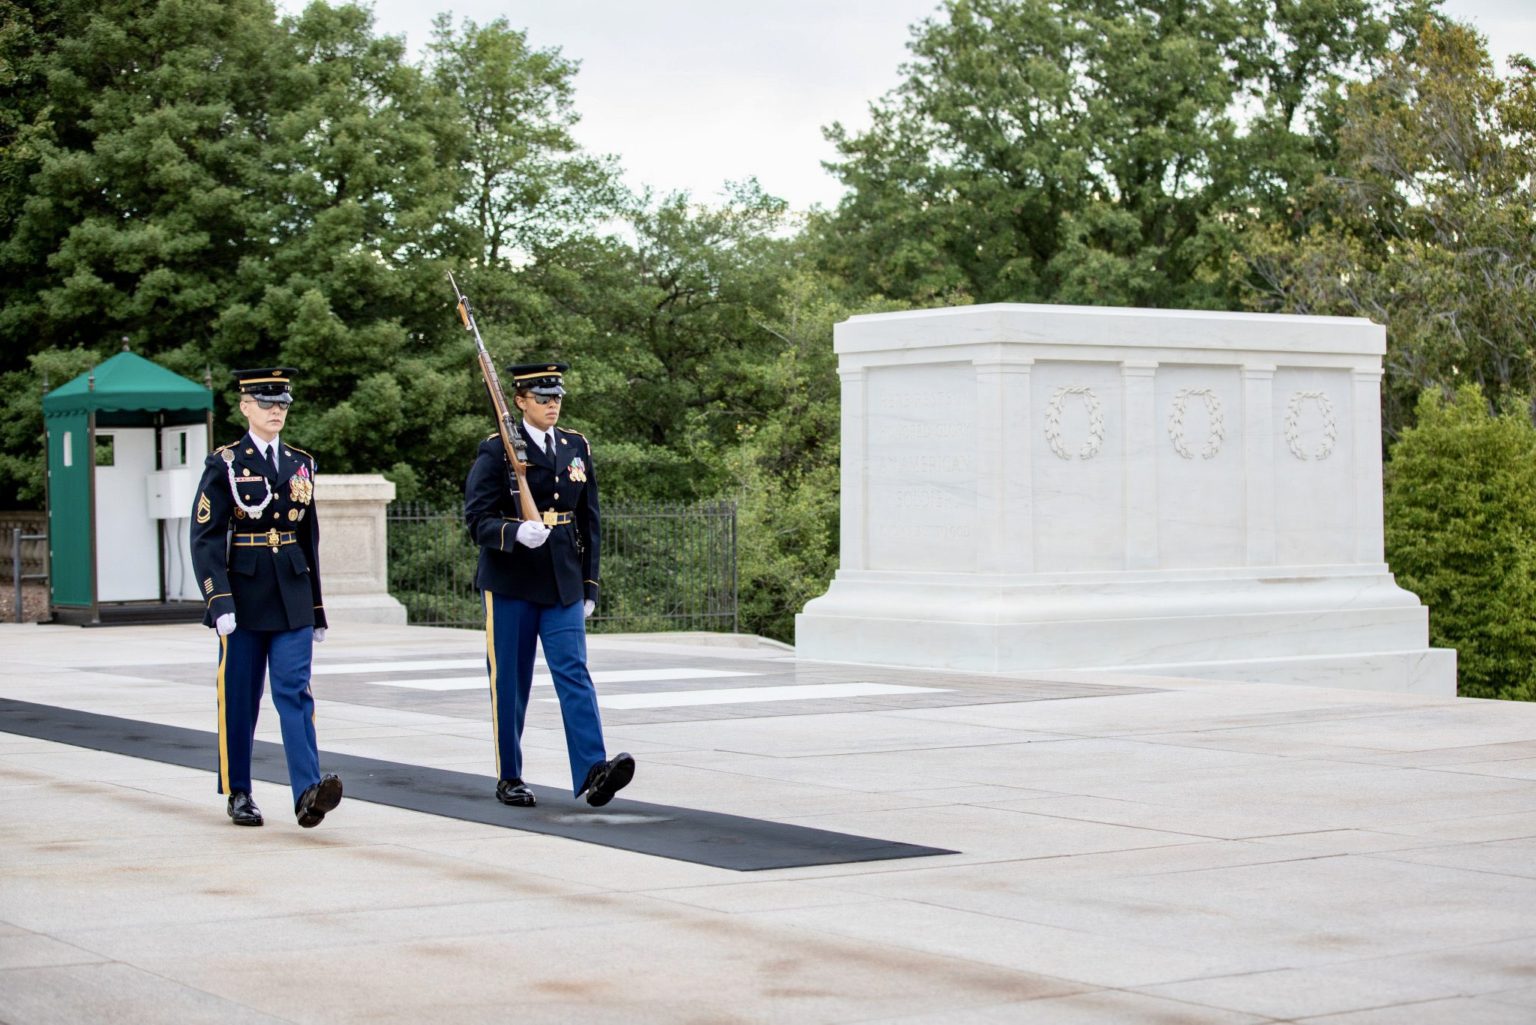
<point>563,569</point>
<point>266,587</point>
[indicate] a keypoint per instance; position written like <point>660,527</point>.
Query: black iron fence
<point>664,567</point>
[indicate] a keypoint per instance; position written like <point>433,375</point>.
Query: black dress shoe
<point>607,778</point>
<point>320,798</point>
<point>243,810</point>
<point>515,792</point>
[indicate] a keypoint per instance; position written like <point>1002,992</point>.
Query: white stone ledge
<point>1197,333</point>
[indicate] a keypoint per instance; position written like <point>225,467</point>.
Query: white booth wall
<point>127,551</point>
<point>142,512</point>
<point>170,492</point>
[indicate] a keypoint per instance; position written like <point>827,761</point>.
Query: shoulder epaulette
<point>495,434</point>
<point>222,448</point>
<point>567,430</point>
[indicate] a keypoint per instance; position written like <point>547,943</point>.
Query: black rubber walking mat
<point>684,834</point>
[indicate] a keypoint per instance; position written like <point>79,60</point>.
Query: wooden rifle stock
<point>511,438</point>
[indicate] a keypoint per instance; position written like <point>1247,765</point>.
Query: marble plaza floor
<point>1128,850</point>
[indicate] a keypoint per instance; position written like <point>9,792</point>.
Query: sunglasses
<point>269,403</point>
<point>545,400</point>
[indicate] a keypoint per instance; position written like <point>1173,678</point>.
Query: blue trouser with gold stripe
<point>512,629</point>
<point>246,657</point>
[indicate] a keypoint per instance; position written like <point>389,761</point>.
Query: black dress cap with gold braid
<point>271,383</point>
<point>539,378</point>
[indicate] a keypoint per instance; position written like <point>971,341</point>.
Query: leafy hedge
<point>1461,534</point>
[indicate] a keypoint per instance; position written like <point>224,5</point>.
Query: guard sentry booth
<point>126,444</point>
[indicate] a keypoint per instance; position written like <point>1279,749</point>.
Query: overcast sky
<point>689,94</point>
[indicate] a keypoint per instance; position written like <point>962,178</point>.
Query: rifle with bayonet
<point>511,438</point>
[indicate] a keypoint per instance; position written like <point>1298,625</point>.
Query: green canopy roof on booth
<point>127,383</point>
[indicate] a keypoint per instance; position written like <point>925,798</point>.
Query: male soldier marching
<point>254,540</point>
<point>539,583</point>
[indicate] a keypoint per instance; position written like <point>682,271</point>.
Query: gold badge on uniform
<point>204,508</point>
<point>293,514</point>
<point>578,470</point>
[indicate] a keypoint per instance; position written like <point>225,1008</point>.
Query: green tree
<point>785,474</point>
<point>526,195</point>
<point>667,338</point>
<point>205,182</point>
<point>360,177</point>
<point>224,189</point>
<point>126,181</point>
<point>526,185</point>
<point>1428,224</point>
<point>132,173</point>
<point>28,37</point>
<point>1461,534</point>
<point>1090,151</point>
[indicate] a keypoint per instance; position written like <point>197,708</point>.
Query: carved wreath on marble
<point>1218,427</point>
<point>1217,430</point>
<point>1090,448</point>
<point>1293,425</point>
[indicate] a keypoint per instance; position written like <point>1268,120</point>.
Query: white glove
<point>587,607</point>
<point>532,534</point>
<point>319,634</point>
<point>225,624</point>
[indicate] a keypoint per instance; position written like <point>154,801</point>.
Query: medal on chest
<point>578,470</point>
<point>301,486</point>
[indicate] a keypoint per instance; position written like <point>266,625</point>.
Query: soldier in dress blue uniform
<point>254,541</point>
<point>538,582</point>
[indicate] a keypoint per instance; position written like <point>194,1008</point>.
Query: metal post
<point>16,567</point>
<point>735,584</point>
<point>90,498</point>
